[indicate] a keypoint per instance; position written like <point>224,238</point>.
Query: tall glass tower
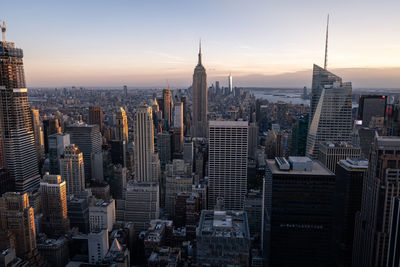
<point>16,122</point>
<point>330,113</point>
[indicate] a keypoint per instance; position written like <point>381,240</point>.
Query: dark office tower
<point>16,120</point>
<point>393,258</point>
<point>301,212</point>
<point>299,136</point>
<point>330,153</point>
<point>118,152</point>
<point>217,88</point>
<point>167,107</point>
<point>78,213</point>
<point>253,140</point>
<point>50,126</point>
<point>330,115</point>
<point>200,103</point>
<point>348,194</point>
<point>227,166</point>
<point>371,106</point>
<point>178,127</point>
<point>96,116</point>
<point>56,143</point>
<point>164,147</point>
<point>53,193</point>
<point>125,90</point>
<point>88,139</point>
<point>392,116</point>
<point>7,184</point>
<point>381,185</point>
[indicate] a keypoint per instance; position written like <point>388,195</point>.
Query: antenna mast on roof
<point>326,43</point>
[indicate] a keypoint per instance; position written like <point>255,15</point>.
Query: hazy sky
<point>143,43</point>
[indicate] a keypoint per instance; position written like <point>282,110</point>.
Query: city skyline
<point>144,44</point>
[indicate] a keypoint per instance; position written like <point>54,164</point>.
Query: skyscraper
<point>73,170</point>
<point>178,127</point>
<point>121,125</point>
<point>38,133</point>
<point>371,106</point>
<point>56,143</point>
<point>126,90</point>
<point>96,116</point>
<point>50,126</point>
<point>381,186</point>
<point>17,217</point>
<point>53,193</point>
<point>301,204</point>
<point>330,113</point>
<point>167,110</point>
<point>16,121</point>
<point>230,86</point>
<point>200,104</point>
<point>227,167</point>
<point>348,194</point>
<point>88,139</point>
<point>144,144</point>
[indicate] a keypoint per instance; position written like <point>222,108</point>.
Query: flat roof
<point>317,169</point>
<point>228,123</point>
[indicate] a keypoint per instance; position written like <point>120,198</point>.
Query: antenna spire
<point>199,52</point>
<point>3,30</point>
<point>326,43</point>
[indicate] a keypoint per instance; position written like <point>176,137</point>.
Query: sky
<point>147,43</point>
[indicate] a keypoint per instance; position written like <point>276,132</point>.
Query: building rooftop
<point>228,123</point>
<point>317,168</point>
<point>227,224</point>
<point>354,164</point>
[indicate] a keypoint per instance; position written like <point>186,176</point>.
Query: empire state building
<point>200,103</point>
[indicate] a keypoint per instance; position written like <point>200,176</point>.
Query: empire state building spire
<point>199,63</point>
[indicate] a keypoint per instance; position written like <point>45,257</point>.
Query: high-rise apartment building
<point>16,129</point>
<point>330,114</point>
<point>96,116</point>
<point>88,139</point>
<point>53,193</point>
<point>330,153</point>
<point>381,186</point>
<point>17,217</point>
<point>144,145</point>
<point>57,143</point>
<point>178,127</point>
<point>227,166</point>
<point>301,204</point>
<point>200,104</point>
<point>73,169</point>
<point>121,125</point>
